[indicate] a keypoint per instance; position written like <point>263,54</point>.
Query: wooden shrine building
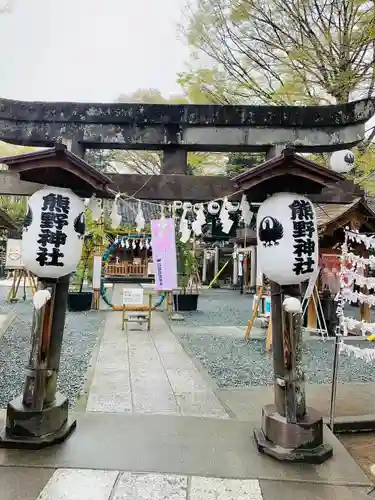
<point>339,203</point>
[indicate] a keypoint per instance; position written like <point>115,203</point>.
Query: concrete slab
<point>208,488</point>
<point>22,483</point>
<point>352,399</point>
<point>182,446</point>
<point>150,487</point>
<point>286,491</point>
<point>79,485</point>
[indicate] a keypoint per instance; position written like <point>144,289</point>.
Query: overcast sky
<point>89,50</point>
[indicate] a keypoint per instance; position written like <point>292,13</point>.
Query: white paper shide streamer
<point>200,219</point>
<point>247,214</point>
<point>348,278</point>
<point>115,216</point>
<point>185,231</point>
<point>94,204</point>
<point>225,220</point>
<point>140,219</point>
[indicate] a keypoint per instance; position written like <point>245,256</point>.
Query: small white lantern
<point>287,238</point>
<point>342,161</point>
<point>213,208</point>
<point>177,205</point>
<point>53,232</point>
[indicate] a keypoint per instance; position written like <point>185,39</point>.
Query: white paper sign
<point>14,254</point>
<point>132,297</point>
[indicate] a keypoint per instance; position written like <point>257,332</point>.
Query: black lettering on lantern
<point>302,215</point>
<point>302,210</point>
<point>54,217</point>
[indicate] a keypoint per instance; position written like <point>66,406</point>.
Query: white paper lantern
<point>197,207</point>
<point>287,238</point>
<point>342,161</point>
<point>177,205</point>
<point>213,208</point>
<point>53,232</point>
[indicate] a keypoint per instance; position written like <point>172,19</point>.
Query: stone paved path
<point>99,485</point>
<point>148,372</point>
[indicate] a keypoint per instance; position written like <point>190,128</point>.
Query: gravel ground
<point>220,308</point>
<point>234,363</point>
<point>81,332</point>
<point>231,362</point>
<point>228,308</point>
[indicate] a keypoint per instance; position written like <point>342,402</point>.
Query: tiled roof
<point>329,212</point>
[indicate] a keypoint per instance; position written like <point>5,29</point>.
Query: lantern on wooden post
<point>53,233</point>
<point>52,238</point>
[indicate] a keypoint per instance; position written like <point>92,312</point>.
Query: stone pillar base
<point>301,442</point>
<point>31,429</point>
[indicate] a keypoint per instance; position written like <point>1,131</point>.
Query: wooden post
<point>312,317</point>
<point>204,269</point>
<point>149,311</point>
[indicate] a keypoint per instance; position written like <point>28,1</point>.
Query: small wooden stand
<point>138,314</point>
<point>20,274</point>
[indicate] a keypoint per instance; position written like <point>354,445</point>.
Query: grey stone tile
<point>109,402</point>
<point>150,487</point>
<point>272,490</point>
<point>70,484</point>
<point>21,483</point>
<point>186,380</point>
<point>200,404</point>
<point>207,488</point>
<point>158,401</point>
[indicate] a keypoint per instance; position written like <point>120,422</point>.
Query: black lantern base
<point>31,429</point>
<point>301,442</point>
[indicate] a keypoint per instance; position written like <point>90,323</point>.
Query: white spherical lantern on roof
<point>342,161</point>
<point>53,232</point>
<point>287,236</point>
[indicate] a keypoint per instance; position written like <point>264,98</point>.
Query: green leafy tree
<point>284,52</point>
<point>240,162</point>
<point>14,206</point>
<point>277,52</point>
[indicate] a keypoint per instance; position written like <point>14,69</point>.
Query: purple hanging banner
<point>163,241</point>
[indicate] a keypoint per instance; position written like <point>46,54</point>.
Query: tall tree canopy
<point>281,52</point>
<point>272,51</point>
